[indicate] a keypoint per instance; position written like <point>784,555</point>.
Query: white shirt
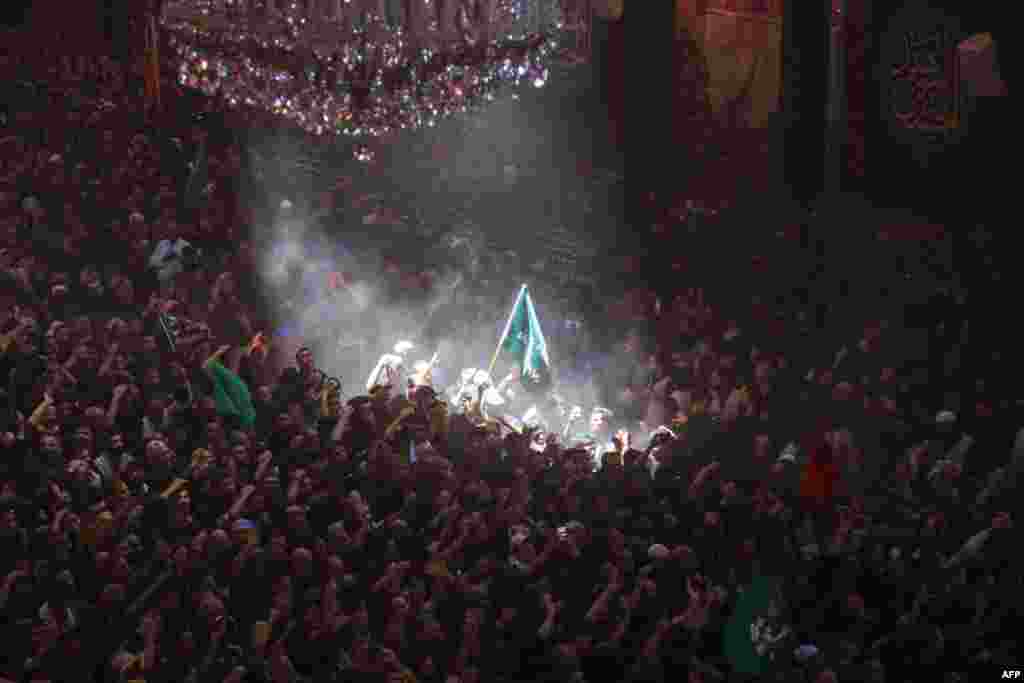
<point>166,258</point>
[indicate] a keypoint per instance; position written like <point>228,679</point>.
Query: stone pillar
<point>836,122</point>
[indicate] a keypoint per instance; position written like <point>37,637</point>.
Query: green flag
<point>231,394</point>
<point>738,644</point>
<point>524,340</point>
<point>198,179</point>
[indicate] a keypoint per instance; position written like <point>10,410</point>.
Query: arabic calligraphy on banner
<point>925,83</point>
<point>922,108</point>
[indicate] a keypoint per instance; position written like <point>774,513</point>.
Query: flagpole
<point>508,324</point>
<point>167,333</point>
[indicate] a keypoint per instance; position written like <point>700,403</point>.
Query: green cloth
<point>231,394</point>
<point>737,644</point>
<point>198,179</point>
<point>525,340</point>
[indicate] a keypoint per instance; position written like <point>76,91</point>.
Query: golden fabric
<point>738,48</point>
<point>743,53</point>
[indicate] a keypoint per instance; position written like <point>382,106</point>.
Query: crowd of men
<point>197,507</point>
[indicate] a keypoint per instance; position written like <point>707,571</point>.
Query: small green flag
<point>524,339</point>
<point>738,643</point>
<point>198,179</point>
<point>231,394</point>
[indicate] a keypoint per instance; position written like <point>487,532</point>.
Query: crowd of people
<point>192,505</point>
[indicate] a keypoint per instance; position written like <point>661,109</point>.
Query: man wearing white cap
<point>170,257</point>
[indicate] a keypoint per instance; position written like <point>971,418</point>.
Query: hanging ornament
<point>362,78</point>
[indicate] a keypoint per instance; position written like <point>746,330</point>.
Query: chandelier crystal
<point>367,68</point>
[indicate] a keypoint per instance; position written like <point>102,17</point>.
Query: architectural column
<point>836,126</point>
<point>651,102</point>
<point>805,77</point>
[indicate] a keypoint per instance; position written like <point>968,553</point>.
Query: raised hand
<point>615,579</point>
<point>151,624</point>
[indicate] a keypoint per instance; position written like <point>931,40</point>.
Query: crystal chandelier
<point>367,68</point>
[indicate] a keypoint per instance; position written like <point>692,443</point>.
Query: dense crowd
<point>203,512</point>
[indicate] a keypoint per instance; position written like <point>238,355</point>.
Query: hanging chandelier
<point>368,68</point>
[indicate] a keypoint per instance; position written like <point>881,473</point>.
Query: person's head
<point>1002,520</point>
<point>151,377</point>
<point>51,415</point>
<point>113,596</point>
<point>50,446</point>
<point>240,453</point>
<point>58,337</point>
<point>83,437</point>
<point>155,407</point>
<point>855,604</point>
<point>302,563</point>
<point>599,421</point>
<point>304,359</point>
<point>89,279</point>
<point>227,284</point>
<point>8,519</point>
<point>278,545</point>
<point>87,356</point>
<point>264,394</point>
<point>297,519</point>
<point>206,411</point>
<point>177,373</point>
<point>283,423</point>
<point>762,447</point>
<point>633,343</point>
<point>149,345</point>
<point>211,610</point>
<point>117,442</point>
<point>157,452</point>
<point>431,631</point>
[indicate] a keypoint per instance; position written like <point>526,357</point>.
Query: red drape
<point>819,479</point>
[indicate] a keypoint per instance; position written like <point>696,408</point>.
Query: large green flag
<point>524,339</point>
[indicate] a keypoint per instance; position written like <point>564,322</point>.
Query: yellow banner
<point>743,52</point>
